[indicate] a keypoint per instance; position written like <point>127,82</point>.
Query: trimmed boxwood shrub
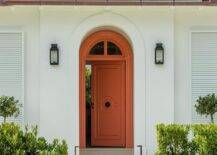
<point>10,138</point>
<point>14,141</point>
<point>174,139</point>
<point>206,138</point>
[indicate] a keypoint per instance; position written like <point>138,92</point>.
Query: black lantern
<point>159,54</point>
<point>54,55</point>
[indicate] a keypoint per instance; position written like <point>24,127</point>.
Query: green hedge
<point>177,139</point>
<point>206,138</point>
<point>15,141</point>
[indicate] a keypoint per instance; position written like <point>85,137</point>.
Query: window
<point>204,69</point>
<point>11,69</point>
<point>97,49</point>
<point>113,49</point>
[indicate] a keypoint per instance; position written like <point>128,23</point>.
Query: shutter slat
<point>204,69</point>
<point>11,69</point>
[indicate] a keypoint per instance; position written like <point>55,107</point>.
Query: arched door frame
<point>127,56</point>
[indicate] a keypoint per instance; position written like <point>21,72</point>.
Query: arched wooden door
<point>112,111</point>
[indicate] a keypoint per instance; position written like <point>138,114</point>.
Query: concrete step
<point>106,151</point>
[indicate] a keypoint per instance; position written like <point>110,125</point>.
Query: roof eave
<point>70,2</point>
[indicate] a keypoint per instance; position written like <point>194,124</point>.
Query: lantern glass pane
<point>159,56</point>
<point>54,57</point>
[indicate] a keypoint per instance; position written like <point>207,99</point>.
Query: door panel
<point>108,112</point>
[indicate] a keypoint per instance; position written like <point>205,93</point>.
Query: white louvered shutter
<point>11,69</point>
<point>204,69</point>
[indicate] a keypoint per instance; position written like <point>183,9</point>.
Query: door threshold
<point>105,148</point>
<point>106,151</point>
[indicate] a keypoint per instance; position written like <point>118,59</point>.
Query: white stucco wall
<point>188,20</point>
<point>68,29</point>
<point>161,93</point>
<point>27,21</point>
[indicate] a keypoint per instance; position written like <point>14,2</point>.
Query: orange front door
<point>108,121</point>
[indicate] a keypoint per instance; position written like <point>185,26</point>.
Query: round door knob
<point>107,104</point>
